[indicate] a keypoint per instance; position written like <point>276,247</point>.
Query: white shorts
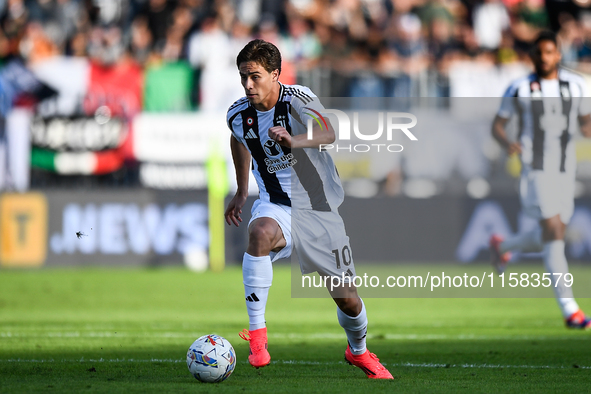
<point>321,243</point>
<point>545,195</point>
<point>282,215</point>
<point>319,238</point>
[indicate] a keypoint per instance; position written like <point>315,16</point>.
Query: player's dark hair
<point>546,35</point>
<point>261,52</point>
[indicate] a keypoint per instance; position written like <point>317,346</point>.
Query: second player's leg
<point>501,247</point>
<point>555,260</point>
<point>553,230</point>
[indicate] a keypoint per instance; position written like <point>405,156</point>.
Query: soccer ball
<point>211,359</point>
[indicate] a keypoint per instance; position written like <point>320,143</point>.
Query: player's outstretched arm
<point>319,137</point>
<point>500,135</point>
<point>241,158</point>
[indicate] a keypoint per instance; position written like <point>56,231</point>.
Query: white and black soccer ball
<point>211,359</point>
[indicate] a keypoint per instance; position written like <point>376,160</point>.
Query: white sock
<point>568,306</point>
<point>355,328</point>
<point>555,262</point>
<point>530,241</point>
<point>257,276</point>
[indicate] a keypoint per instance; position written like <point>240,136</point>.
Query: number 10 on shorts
<point>344,254</point>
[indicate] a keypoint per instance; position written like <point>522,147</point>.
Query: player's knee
<point>260,237</point>
<point>261,232</point>
<point>350,306</point>
<point>553,234</point>
<point>553,229</point>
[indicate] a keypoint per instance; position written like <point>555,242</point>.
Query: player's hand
<point>280,135</point>
<point>234,210</point>
<point>514,147</point>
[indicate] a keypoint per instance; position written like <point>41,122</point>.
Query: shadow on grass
<point>312,366</point>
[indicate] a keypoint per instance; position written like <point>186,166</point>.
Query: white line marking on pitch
<point>401,337</point>
<point>300,362</point>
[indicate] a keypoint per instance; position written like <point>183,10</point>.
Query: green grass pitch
<point>127,330</point>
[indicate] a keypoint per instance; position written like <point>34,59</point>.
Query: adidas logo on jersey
<point>251,135</point>
<point>252,298</point>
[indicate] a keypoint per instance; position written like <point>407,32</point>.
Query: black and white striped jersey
<point>300,178</point>
<point>548,111</point>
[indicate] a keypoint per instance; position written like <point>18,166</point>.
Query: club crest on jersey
<point>249,121</point>
<point>281,121</point>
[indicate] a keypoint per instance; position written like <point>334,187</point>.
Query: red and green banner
<point>77,163</point>
<point>90,137</point>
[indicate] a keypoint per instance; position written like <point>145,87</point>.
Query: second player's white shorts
<point>319,238</point>
<point>545,195</point>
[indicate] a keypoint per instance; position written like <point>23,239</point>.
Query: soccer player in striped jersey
<point>551,107</point>
<point>299,194</point>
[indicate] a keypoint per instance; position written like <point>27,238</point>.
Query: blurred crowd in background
<point>118,58</point>
<point>352,40</point>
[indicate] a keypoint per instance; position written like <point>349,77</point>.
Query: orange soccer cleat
<point>578,320</point>
<point>369,363</point>
<point>259,356</point>
<point>499,260</point>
